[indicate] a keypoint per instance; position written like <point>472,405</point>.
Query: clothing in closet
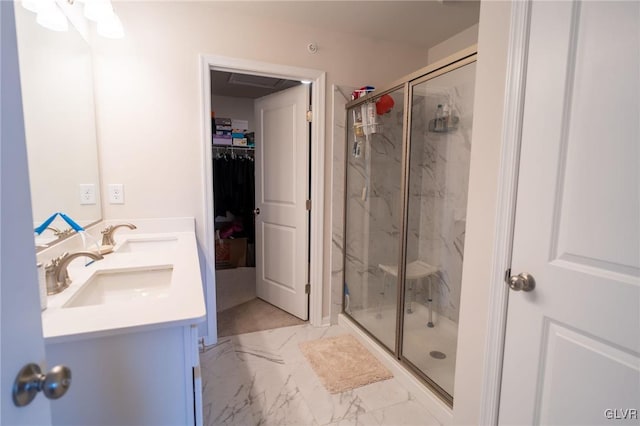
<point>234,189</point>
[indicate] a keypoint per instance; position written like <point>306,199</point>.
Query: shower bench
<point>415,271</point>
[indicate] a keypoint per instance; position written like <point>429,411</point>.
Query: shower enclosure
<point>407,175</point>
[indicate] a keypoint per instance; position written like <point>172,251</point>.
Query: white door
<point>572,353</point>
<point>21,327</point>
<point>282,188</point>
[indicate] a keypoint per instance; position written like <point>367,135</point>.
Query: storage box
<point>223,122</point>
<point>251,138</point>
<point>231,253</point>
<point>223,126</point>
<point>222,140</point>
<point>240,124</point>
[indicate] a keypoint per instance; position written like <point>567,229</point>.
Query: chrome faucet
<point>56,273</point>
<point>107,233</point>
<point>60,233</point>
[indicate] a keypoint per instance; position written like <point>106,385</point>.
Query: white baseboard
<point>210,340</point>
<point>435,405</point>
<point>326,321</point>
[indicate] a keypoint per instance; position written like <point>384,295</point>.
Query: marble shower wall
<point>373,221</point>
<point>438,185</point>
<point>440,181</point>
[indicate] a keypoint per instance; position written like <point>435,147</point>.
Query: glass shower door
<point>373,214</point>
<point>440,147</point>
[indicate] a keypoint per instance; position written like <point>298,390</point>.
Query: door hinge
<point>309,116</point>
<point>507,275</point>
<point>308,204</point>
<point>307,288</point>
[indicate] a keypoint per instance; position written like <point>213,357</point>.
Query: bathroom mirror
<point>59,116</point>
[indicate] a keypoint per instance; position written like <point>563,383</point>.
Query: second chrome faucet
<point>57,276</point>
<point>56,273</point>
<point>107,233</point>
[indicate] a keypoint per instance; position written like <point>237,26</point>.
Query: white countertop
<point>182,305</point>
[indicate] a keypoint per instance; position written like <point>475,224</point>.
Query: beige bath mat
<point>342,363</point>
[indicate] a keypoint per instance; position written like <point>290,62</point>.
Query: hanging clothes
<point>234,189</point>
<point>222,186</point>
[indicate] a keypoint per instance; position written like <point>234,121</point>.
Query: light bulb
<point>31,5</point>
<point>97,10</point>
<point>50,16</point>
<point>111,27</point>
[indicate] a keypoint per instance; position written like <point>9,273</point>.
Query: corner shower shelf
<point>452,125</point>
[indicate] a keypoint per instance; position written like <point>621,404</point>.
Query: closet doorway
<point>260,210</point>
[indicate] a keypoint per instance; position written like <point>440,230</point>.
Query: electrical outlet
<point>87,193</point>
<point>116,193</point>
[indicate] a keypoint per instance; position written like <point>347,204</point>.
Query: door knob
<point>256,211</point>
<point>523,281</point>
<point>30,381</point>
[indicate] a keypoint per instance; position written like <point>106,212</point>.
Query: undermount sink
<point>147,244</point>
<point>114,286</point>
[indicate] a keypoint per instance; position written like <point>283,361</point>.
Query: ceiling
<point>246,86</point>
<point>423,23</point>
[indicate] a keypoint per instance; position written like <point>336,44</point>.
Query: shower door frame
<point>452,63</point>
<point>397,85</point>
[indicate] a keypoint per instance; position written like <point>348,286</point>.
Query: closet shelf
<point>250,148</point>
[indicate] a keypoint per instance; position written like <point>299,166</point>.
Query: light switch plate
<point>116,193</point>
<point>87,193</point>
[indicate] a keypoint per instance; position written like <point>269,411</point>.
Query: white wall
<point>481,208</point>
<point>148,96</point>
<point>462,40</point>
<point>234,108</point>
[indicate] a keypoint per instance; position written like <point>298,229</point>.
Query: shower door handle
<point>523,281</point>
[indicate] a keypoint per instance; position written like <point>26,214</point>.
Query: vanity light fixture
<point>31,5</point>
<point>111,27</point>
<point>97,10</point>
<point>102,13</point>
<point>50,15</point>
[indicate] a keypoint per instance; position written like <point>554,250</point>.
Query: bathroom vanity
<point>127,329</point>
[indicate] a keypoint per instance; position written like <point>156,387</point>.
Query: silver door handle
<point>256,211</point>
<point>523,281</point>
<point>30,381</point>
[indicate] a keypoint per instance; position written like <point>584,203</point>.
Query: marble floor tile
<point>382,394</point>
<point>409,413</point>
<point>327,408</point>
<point>366,419</point>
<point>263,379</point>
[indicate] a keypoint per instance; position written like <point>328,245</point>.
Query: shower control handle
<point>523,281</point>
